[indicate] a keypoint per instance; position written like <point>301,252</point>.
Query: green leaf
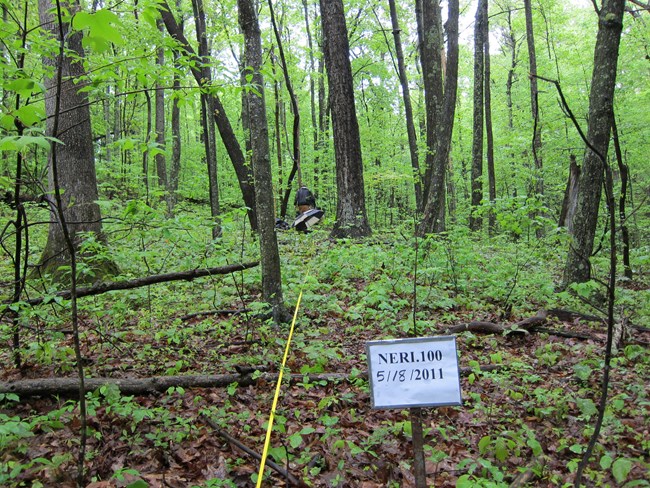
<point>24,87</point>
<point>587,407</point>
<point>484,443</point>
<point>138,484</point>
<point>465,481</point>
<point>501,449</point>
<point>535,446</point>
<point>18,143</point>
<point>582,371</point>
<point>606,461</point>
<point>100,31</point>
<point>295,440</point>
<point>621,468</point>
<point>29,115</point>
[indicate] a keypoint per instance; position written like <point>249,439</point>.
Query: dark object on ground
<point>281,224</point>
<point>306,219</point>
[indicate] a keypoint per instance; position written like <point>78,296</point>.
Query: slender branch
<point>569,112</point>
<point>190,275</point>
<point>83,434</point>
<point>281,471</point>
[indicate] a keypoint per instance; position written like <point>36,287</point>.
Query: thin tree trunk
<point>408,109</point>
<point>261,162</point>
<point>537,131</point>
<point>68,164</point>
<point>511,42</point>
<point>175,166</point>
<point>207,109</point>
<point>475,221</point>
<point>145,153</point>
<point>489,136</point>
<point>242,170</point>
<point>625,175</point>
<point>570,196</point>
<point>161,164</point>
<point>278,121</point>
<point>601,102</point>
<point>296,157</point>
<point>315,128</point>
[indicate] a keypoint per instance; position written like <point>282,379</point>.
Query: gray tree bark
<point>75,155</point>
<point>175,163</point>
<point>431,49</point>
<point>261,162</point>
<point>161,163</point>
<point>351,217</point>
<point>538,181</point>
<point>208,133</point>
<point>218,112</point>
<point>408,109</point>
<point>475,221</point>
<point>433,218</point>
<point>489,134</point>
<point>601,102</point>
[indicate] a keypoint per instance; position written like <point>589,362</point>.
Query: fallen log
<point>100,288</point>
<point>483,327</point>
<point>69,387</point>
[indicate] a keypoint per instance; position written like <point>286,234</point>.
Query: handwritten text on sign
<point>420,372</point>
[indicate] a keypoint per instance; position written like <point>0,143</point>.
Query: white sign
<point>420,372</point>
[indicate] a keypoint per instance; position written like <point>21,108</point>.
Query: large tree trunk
<point>261,162</point>
<point>476,183</point>
<point>351,218</point>
<point>408,110</point>
<point>601,102</point>
<point>433,218</point>
<point>75,154</point>
<point>431,48</point>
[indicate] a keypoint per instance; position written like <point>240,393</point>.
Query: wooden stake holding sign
<point>414,373</point>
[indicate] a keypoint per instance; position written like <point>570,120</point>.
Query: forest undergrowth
<point>525,422</point>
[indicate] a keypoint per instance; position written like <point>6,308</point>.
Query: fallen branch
<point>189,316</point>
<point>482,327</point>
<point>190,275</point>
<point>69,387</point>
<point>282,472</point>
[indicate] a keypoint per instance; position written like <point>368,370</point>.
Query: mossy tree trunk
<point>601,103</point>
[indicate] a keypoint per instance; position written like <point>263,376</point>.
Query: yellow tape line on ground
<point>269,429</point>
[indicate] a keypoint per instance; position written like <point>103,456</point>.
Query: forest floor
<point>530,418</point>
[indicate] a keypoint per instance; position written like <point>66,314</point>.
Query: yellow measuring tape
<point>269,429</point>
